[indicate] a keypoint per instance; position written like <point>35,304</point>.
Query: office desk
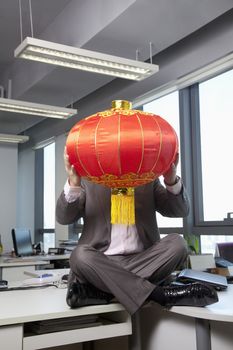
<point>12,269</point>
<point>19,308</point>
<point>193,328</point>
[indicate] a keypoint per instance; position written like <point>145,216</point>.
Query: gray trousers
<point>130,278</point>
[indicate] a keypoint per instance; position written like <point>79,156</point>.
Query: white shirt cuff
<point>176,188</point>
<point>72,193</point>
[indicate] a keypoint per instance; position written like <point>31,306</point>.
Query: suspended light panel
<point>17,106</point>
<point>91,61</point>
<point>10,138</point>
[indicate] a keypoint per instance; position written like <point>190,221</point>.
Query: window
<point>216,126</point>
<point>208,242</point>
<point>167,107</point>
<point>201,115</point>
<point>49,196</point>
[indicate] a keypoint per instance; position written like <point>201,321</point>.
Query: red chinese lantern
<point>122,148</point>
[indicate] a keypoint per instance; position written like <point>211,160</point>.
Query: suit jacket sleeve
<point>168,204</point>
<point>67,213</point>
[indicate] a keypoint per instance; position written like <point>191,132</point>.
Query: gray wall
<point>25,190</point>
<point>17,189</point>
<point>8,190</point>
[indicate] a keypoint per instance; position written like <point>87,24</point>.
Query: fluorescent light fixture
<point>91,61</point>
<point>9,138</point>
<point>17,106</point>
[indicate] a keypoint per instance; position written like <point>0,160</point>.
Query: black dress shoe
<point>193,294</point>
<point>79,294</point>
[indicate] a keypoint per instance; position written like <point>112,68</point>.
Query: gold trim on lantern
<point>108,113</point>
<point>160,144</point>
<point>126,180</point>
<point>77,152</point>
<point>119,143</point>
<point>117,112</point>
<point>122,104</point>
<point>96,153</point>
<point>143,144</point>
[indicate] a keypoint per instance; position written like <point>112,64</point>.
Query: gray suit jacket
<point>94,206</point>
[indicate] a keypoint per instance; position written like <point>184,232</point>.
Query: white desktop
<point>12,268</point>
<point>21,308</point>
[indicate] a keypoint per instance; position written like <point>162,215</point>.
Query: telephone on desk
<point>224,263</point>
<point>56,251</point>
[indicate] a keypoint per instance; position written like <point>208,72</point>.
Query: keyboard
<point>221,262</point>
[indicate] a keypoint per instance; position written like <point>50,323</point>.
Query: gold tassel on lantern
<point>123,206</point>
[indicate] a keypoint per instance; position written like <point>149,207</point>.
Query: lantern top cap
<point>123,104</point>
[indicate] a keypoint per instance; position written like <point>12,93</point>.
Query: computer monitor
<point>22,241</point>
<point>225,250</point>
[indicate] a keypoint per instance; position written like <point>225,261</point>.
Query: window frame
<point>191,164</point>
<point>199,224</point>
<point>39,197</point>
